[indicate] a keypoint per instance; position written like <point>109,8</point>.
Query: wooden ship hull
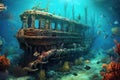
<point>59,37</point>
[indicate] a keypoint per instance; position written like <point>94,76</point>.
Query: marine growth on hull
<point>53,36</point>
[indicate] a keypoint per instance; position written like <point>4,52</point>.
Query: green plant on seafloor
<point>66,67</point>
<point>42,75</point>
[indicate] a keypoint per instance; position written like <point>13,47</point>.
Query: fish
<point>87,67</point>
<point>102,16</point>
<point>99,32</point>
<point>116,22</point>
<point>2,7</point>
<point>106,36</point>
<point>115,31</point>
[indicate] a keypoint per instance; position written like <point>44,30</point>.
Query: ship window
<point>29,21</point>
<point>59,27</point>
<point>65,27</point>
<point>53,26</point>
<point>36,24</point>
<point>43,24</point>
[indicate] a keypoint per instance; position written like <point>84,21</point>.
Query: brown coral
<point>4,63</point>
<point>112,71</point>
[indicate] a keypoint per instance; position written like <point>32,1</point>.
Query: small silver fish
<point>99,32</point>
<point>116,22</point>
<point>102,16</point>
<point>106,36</point>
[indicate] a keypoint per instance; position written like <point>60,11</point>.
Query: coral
<point>4,63</point>
<point>66,67</point>
<point>112,71</point>
<point>117,49</point>
<point>42,75</point>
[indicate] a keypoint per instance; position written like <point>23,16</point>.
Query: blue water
<point>102,11</point>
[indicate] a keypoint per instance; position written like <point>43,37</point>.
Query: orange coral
<point>112,71</point>
<point>4,63</point>
<point>117,49</point>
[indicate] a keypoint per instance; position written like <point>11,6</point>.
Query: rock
<point>75,74</point>
<point>98,62</point>
<point>51,73</point>
<point>87,67</point>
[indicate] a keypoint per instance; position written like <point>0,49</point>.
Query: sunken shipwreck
<point>53,39</point>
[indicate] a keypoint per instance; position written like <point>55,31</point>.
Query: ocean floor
<point>77,72</point>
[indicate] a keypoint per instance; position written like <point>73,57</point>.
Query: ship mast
<point>65,8</point>
<point>47,6</point>
<point>73,11</point>
<point>86,15</point>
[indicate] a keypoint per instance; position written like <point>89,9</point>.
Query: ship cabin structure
<point>42,31</point>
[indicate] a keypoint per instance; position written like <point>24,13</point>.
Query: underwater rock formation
<point>112,71</point>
